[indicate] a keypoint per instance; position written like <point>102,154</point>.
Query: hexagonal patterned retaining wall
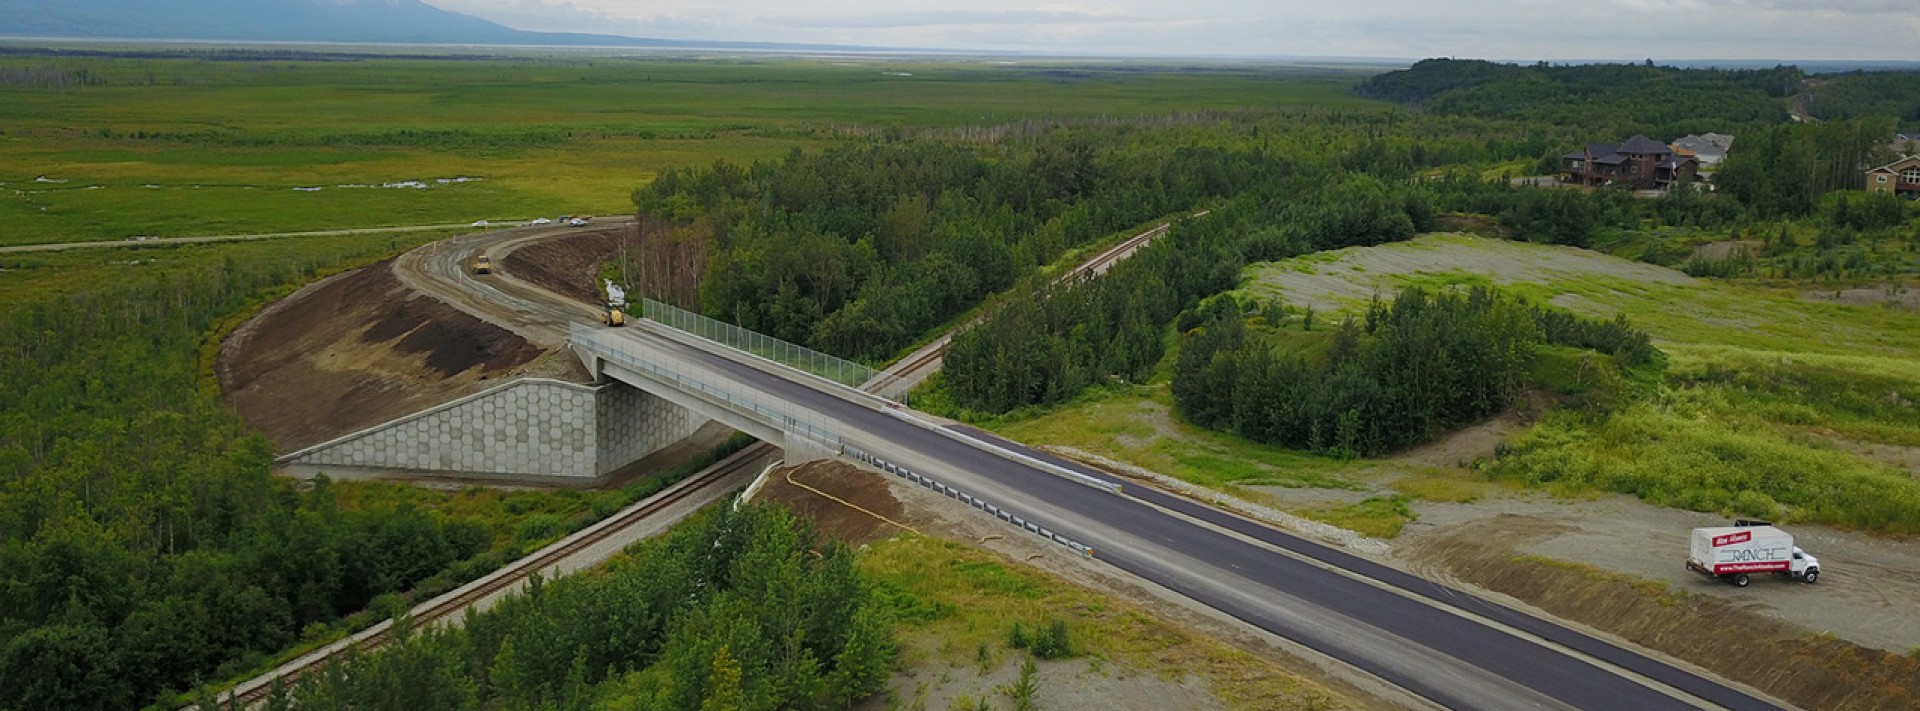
<point>529,428</point>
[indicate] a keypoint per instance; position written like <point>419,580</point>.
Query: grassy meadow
<point>219,143</point>
<point>1770,404</point>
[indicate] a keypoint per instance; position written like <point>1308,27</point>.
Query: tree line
<point>1053,340</point>
<point>1610,99</point>
<point>748,610</point>
<point>1426,363</point>
<point>1862,94</point>
<point>858,249</point>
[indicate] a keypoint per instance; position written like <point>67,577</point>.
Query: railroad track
<point>255,691</point>
<point>1107,258</point>
<point>1098,264</point>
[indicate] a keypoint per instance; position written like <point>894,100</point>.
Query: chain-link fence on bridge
<point>836,369</point>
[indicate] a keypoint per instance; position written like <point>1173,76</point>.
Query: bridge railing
<point>839,370</point>
<point>782,419</point>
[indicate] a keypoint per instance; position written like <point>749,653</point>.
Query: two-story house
<point>1639,164</point>
<point>1901,177</point>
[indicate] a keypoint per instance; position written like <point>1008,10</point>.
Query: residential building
<point>1639,164</point>
<point>1901,177</point>
<point>1709,149</point>
<point>1904,144</point>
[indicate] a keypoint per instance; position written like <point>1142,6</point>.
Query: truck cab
<point>1804,567</point>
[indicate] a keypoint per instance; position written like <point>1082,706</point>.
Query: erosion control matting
<point>846,502</point>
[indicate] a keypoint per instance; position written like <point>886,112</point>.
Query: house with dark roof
<point>1901,177</point>
<point>1639,164</point>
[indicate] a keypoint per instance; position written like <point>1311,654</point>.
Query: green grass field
<point>185,147</point>
<point>1770,405</point>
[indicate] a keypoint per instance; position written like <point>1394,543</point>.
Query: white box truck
<point>1732,553</point>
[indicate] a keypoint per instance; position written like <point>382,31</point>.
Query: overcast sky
<point>1501,29</point>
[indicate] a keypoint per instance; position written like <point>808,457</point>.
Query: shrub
<point>1022,691</point>
<point>1049,641</point>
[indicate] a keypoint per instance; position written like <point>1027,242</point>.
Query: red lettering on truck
<point>1726,568</point>
<point>1732,538</point>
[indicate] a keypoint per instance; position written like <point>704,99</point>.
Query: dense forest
<point>1665,102</point>
<point>748,609</point>
<point>144,545</point>
<point>861,249</point>
<point>1418,366</point>
<point>1057,339</point>
<point>857,250</point>
<point>1853,95</point>
<point>1607,100</point>
<point>1781,171</point>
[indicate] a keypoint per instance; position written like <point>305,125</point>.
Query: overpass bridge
<point>1444,647</point>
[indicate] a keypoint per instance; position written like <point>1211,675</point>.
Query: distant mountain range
<point>380,21</point>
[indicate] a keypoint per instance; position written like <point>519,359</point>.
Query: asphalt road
<point>1441,644</point>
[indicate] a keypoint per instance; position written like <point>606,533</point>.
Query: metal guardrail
<point>941,488</point>
<point>582,335</point>
<point>836,369</point>
<point>785,421</point>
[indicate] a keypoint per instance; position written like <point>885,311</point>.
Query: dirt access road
<point>443,270</point>
<point>366,346</point>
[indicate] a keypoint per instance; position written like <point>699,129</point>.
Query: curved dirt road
<point>444,271</point>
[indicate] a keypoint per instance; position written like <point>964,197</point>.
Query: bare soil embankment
<point>362,348</point>
<point>356,350</point>
<point>570,266</point>
<point>843,501</point>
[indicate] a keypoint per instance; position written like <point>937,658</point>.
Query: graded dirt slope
<point>570,266</point>
<point>844,501</point>
<point>356,350</point>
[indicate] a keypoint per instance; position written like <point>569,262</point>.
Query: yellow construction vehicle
<point>482,265</point>
<point>613,310</point>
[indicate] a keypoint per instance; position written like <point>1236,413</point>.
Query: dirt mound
<point>1812,671</point>
<point>354,351</point>
<point>570,265</point>
<point>846,502</point>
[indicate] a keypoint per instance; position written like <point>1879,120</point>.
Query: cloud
<point>953,18</point>
<point>1505,29</point>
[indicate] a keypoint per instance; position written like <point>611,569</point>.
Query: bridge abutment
<point>528,430</point>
